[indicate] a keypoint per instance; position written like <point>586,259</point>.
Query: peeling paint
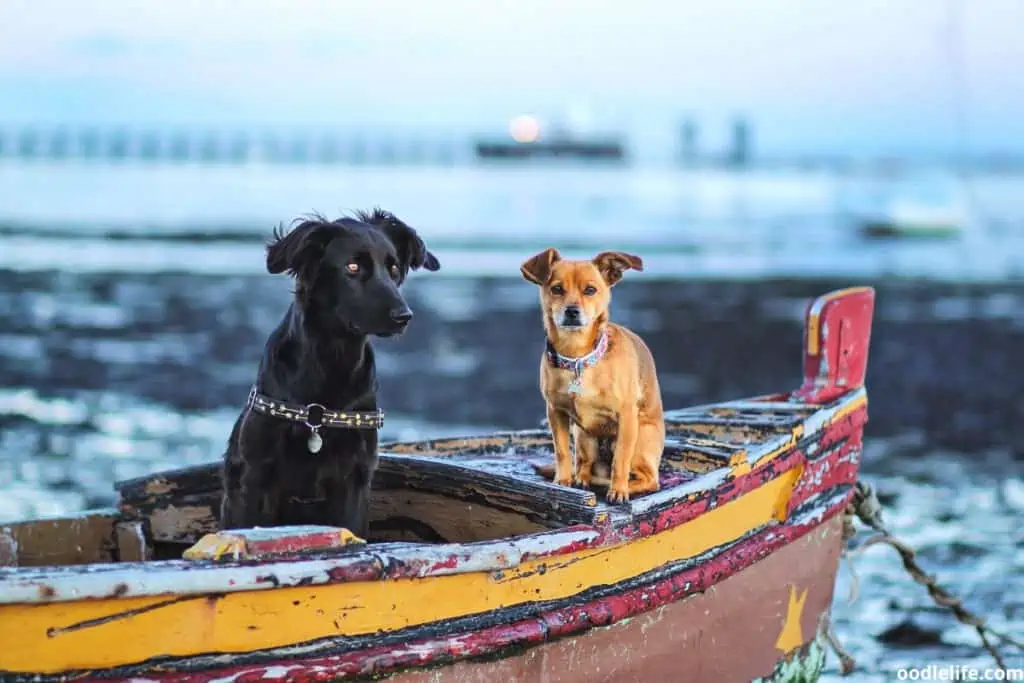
<point>803,665</point>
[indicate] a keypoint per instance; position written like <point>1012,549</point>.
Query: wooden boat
<point>478,567</point>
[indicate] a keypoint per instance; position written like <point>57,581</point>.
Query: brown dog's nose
<point>571,314</point>
<point>401,315</point>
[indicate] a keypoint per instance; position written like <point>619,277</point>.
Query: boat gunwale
<point>405,649</point>
<point>382,561</point>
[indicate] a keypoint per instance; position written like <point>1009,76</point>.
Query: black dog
<point>304,449</point>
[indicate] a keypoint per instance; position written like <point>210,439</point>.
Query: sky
<point>888,74</point>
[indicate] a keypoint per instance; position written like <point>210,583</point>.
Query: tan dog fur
<point>621,398</point>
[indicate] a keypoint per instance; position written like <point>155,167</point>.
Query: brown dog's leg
<point>622,459</point>
<point>559,422</point>
<point>586,454</point>
<point>650,443</point>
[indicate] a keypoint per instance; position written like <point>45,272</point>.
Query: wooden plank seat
<point>523,454</point>
<point>757,420</point>
<point>738,422</point>
<point>698,455</point>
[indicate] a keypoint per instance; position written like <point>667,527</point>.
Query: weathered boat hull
<point>725,574</point>
<point>737,630</point>
<point>765,622</point>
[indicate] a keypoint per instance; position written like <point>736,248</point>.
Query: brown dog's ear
<point>612,264</point>
<point>537,268</point>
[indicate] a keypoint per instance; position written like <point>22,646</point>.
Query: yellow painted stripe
<point>255,620</point>
<point>847,408</point>
<point>812,334</point>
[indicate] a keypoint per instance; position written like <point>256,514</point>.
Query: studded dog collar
<point>314,416</point>
<point>577,364</point>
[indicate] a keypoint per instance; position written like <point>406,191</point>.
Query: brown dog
<point>598,378</point>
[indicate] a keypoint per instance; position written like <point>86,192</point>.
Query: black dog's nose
<point>401,315</point>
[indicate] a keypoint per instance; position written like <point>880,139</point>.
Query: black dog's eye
<point>395,271</point>
<point>590,290</point>
<point>558,290</point>
<point>352,268</point>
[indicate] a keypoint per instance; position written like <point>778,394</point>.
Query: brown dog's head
<point>576,294</point>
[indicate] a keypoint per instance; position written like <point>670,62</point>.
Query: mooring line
<point>866,508</point>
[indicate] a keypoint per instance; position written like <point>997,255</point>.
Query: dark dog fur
<point>347,272</point>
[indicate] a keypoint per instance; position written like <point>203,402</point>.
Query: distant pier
<point>113,144</point>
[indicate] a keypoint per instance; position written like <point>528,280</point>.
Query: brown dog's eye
<point>352,268</point>
<point>590,290</point>
<point>558,290</point>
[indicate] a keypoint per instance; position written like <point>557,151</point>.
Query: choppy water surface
<point>122,353</point>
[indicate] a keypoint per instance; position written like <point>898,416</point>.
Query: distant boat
<point>915,220</point>
<point>525,142</point>
<point>601,150</point>
<point>925,208</point>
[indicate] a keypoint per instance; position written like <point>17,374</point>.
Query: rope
<point>866,508</point>
<point>847,664</point>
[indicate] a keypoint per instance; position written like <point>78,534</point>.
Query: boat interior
<point>453,490</point>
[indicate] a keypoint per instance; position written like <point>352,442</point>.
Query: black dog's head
<point>348,270</point>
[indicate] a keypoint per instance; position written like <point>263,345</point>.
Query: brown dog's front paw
<point>581,483</point>
<point>618,495</point>
<point>563,481</point>
<point>545,470</point>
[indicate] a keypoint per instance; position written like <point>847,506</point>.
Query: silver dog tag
<point>315,442</point>
<point>576,386</point>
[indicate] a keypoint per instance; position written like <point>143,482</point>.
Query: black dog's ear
<point>612,264</point>
<point>412,252</point>
<point>295,250</point>
<point>537,268</point>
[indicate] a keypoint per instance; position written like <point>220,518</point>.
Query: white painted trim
<point>183,577</point>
